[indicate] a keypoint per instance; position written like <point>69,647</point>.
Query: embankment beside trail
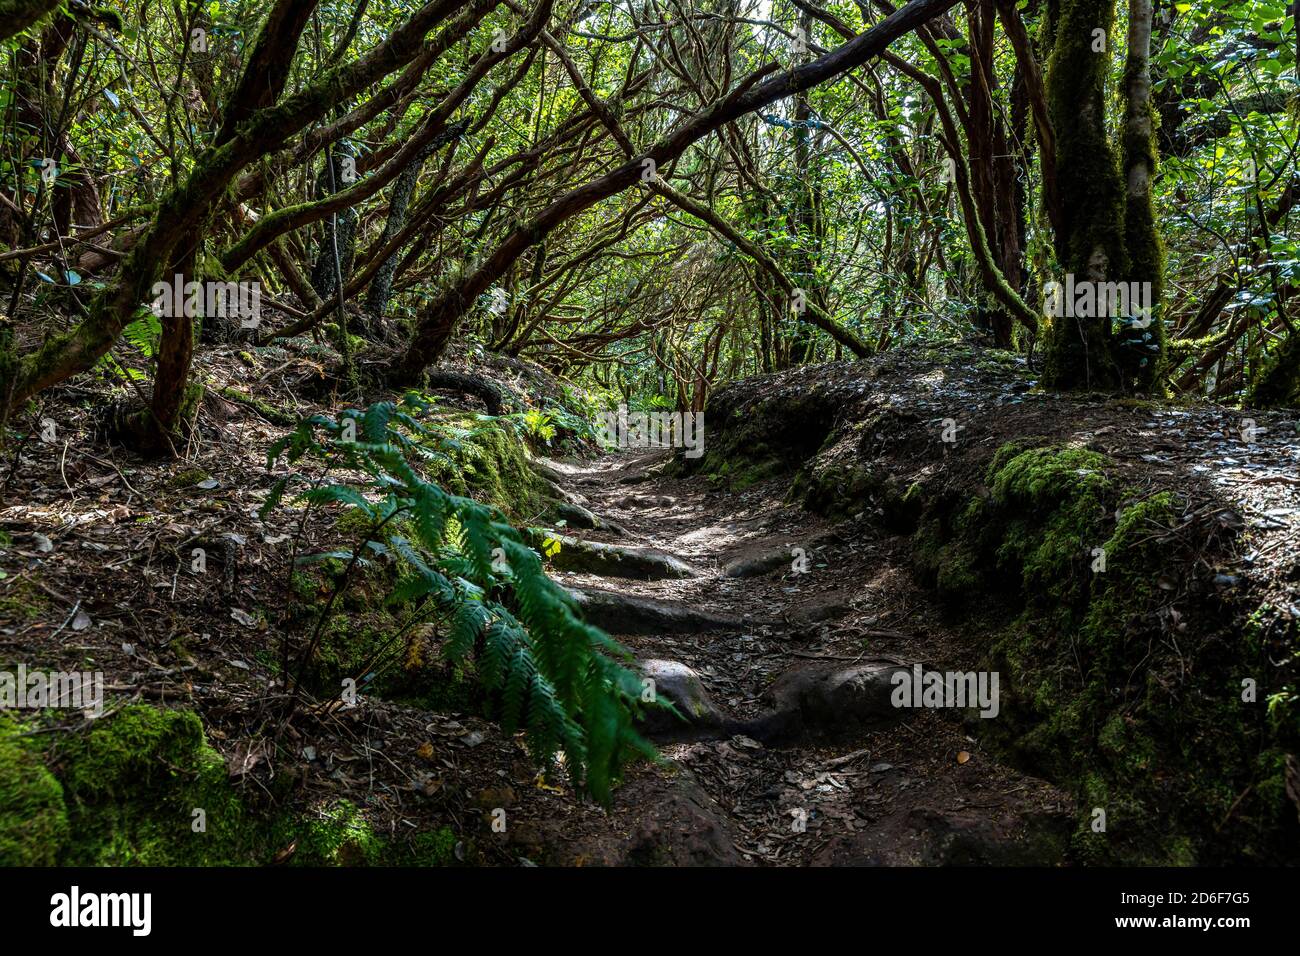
<point>1129,567</point>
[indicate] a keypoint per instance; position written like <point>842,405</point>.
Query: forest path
<point>826,612</point>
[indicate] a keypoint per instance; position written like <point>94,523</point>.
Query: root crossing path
<point>778,635</point>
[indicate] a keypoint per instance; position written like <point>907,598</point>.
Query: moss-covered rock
<point>33,818</point>
<point>487,461</point>
<point>144,787</point>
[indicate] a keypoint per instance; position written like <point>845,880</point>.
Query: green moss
<point>1102,691</point>
<point>190,401</point>
<point>133,786</point>
<point>306,587</point>
<point>186,478</point>
<point>33,818</point>
<point>268,411</point>
<point>428,848</point>
<point>336,835</point>
<point>22,601</point>
<point>354,523</point>
<point>1052,503</point>
<point>1123,594</point>
<point>488,461</point>
<point>126,794</point>
<point>958,575</point>
<point>834,490</point>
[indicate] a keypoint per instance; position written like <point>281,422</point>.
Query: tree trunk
<point>1142,339</point>
<point>1090,243</point>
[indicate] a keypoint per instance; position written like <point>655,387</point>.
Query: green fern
<point>143,332</point>
<point>565,683</point>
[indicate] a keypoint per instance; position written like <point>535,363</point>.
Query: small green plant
<point>538,424</point>
<point>563,681</point>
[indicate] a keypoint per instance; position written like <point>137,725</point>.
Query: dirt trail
<point>816,599</point>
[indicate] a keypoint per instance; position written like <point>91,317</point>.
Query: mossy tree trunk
<point>1142,342</point>
<point>1090,243</point>
<point>1278,382</point>
<point>17,15</point>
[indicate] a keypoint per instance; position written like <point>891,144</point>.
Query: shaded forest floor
<point>845,462</point>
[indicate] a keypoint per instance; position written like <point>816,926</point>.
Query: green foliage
<point>557,678</point>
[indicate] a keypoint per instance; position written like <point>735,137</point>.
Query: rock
<point>661,818</point>
<point>561,493</point>
<point>814,612</point>
<point>678,685</point>
<point>548,471</point>
<point>754,565</point>
<point>751,565</point>
<point>577,516</point>
<point>624,614</point>
<point>828,699</point>
<point>617,561</point>
<point>687,828</point>
<point>645,501</point>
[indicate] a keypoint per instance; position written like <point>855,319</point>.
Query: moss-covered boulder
<point>487,461</point>
<point>144,787</point>
<point>33,818</point>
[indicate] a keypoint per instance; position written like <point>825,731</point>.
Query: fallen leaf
<point>285,853</point>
